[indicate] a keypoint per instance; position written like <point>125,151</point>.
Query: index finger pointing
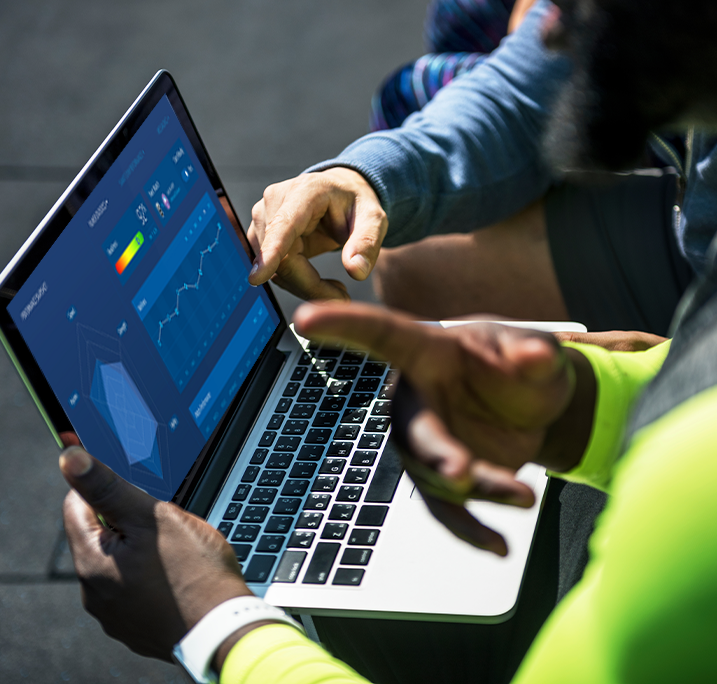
<point>388,334</point>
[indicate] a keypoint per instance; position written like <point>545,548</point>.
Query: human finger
<point>298,211</point>
<point>460,522</point>
<point>116,500</point>
<point>614,340</point>
<point>368,230</point>
<point>386,333</point>
<point>297,275</point>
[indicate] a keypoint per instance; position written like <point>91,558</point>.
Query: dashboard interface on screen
<point>140,315</point>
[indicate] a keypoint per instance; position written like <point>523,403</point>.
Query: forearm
<point>472,155</point>
<point>277,653</point>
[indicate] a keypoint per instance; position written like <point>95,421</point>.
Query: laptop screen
<point>140,315</point>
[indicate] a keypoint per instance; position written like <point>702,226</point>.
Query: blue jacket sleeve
<point>471,157</point>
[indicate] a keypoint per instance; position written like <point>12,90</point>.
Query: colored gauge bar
<point>129,253</point>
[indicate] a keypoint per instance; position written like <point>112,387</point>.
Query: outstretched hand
<point>155,571</point>
<point>309,215</point>
<point>475,404</point>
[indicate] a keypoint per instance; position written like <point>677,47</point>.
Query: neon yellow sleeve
<point>645,608</point>
<point>276,654</point>
<point>621,377</point>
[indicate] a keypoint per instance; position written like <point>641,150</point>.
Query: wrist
<point>202,651</point>
<point>567,438</point>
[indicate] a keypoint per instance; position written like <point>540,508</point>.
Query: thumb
<point>116,500</point>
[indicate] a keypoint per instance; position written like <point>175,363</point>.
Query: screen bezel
<point>36,247</point>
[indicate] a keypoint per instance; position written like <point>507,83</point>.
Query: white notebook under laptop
<point>129,315</point>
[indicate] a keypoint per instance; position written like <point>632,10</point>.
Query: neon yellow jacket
<point>646,609</point>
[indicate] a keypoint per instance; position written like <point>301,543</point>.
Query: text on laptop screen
<point>140,316</point>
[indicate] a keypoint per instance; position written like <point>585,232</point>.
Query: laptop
<point>130,318</point>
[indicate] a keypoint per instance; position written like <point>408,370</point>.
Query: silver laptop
<point>129,315</point>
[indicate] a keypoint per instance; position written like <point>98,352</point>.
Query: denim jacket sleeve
<point>472,156</point>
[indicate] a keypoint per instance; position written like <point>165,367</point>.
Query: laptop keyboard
<point>314,495</point>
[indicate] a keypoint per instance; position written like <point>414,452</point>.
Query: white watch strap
<point>196,650</point>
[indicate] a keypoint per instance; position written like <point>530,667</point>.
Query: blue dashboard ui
<point>140,315</point>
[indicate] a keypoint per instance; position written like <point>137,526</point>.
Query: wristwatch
<point>195,651</point>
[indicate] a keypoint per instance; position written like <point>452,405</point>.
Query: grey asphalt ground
<point>274,86</point>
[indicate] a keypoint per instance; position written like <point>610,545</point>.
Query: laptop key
<point>298,374</point>
<point>348,576</point>
<point>321,563</point>
<point>347,431</point>
<point>225,528</point>
<point>250,474</point>
<point>363,537</point>
<point>303,411</point>
<point>374,369</point>
<point>303,360</point>
<point>301,540</point>
<point>333,466</point>
<point>372,516</point>
<point>316,380</point>
<point>364,458</point>
<point>342,511</point>
<point>242,491</point>
<point>232,511</point>
<point>356,556</point>
<point>334,530</point>
<point>377,424</point>
<point>286,506</point>
<point>291,389</point>
<point>263,495</point>
<point>295,427</point>
<point>317,502</point>
<point>290,566</point>
<point>241,551</point>
<point>352,358</point>
<point>371,441</point>
<point>342,449</point>
<point>283,405</point>
<point>332,403</point>
<point>381,408</point>
<point>318,436</point>
<point>270,543</point>
<point>359,399</point>
<point>357,475</point>
<point>349,493</point>
<point>279,523</point>
<point>280,461</point>
<point>310,395</point>
<point>259,568</point>
<point>324,419</point>
<point>386,477</point>
<point>325,483</point>
<point>309,520</point>
<point>255,514</point>
<point>346,373</point>
<point>355,416</point>
<point>246,533</point>
<point>286,444</point>
<point>305,470</point>
<point>275,421</point>
<point>295,488</point>
<point>367,384</point>
<point>311,452</point>
<point>267,439</point>
<point>259,456</point>
<point>386,392</point>
<point>271,478</point>
<point>326,365</point>
<point>340,387</point>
